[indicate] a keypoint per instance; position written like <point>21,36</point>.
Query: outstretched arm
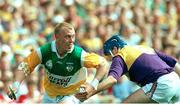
<point>27,66</point>
<point>23,70</point>
<point>116,70</point>
<point>92,60</point>
<point>101,70</point>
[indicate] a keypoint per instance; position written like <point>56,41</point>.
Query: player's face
<point>113,53</point>
<point>108,57</point>
<point>66,39</point>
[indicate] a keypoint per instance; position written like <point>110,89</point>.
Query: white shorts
<point>167,89</point>
<point>71,99</point>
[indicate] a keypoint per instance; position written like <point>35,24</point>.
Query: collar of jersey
<point>54,49</point>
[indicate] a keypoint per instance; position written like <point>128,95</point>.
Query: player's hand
<point>12,93</point>
<point>85,92</point>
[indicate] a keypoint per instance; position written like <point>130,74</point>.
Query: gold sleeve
<point>32,61</point>
<point>92,60</point>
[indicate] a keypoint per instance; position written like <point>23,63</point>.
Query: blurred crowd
<point>27,24</point>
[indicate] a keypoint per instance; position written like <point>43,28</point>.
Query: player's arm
<point>116,70</point>
<point>92,60</point>
<point>24,69</point>
<point>170,61</point>
<point>166,58</point>
<point>27,66</point>
<point>105,84</point>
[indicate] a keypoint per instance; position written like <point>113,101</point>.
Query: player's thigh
<point>138,97</point>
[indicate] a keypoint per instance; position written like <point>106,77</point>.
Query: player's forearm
<point>23,70</point>
<point>101,70</point>
<point>20,76</point>
<point>27,66</point>
<point>105,84</point>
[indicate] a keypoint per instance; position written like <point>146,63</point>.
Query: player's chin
<point>68,49</point>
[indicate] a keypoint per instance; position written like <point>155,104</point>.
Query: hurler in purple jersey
<point>156,73</point>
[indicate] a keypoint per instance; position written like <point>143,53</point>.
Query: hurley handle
<point>12,94</point>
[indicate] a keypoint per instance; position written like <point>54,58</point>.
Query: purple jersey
<point>143,64</point>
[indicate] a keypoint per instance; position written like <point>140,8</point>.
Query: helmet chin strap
<point>111,53</point>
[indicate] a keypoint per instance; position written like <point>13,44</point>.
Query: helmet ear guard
<point>114,41</point>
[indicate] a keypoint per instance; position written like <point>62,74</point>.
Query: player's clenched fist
<point>85,91</point>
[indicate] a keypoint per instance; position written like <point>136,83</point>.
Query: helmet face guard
<point>114,41</point>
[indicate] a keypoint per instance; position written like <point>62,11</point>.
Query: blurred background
<point>27,24</point>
